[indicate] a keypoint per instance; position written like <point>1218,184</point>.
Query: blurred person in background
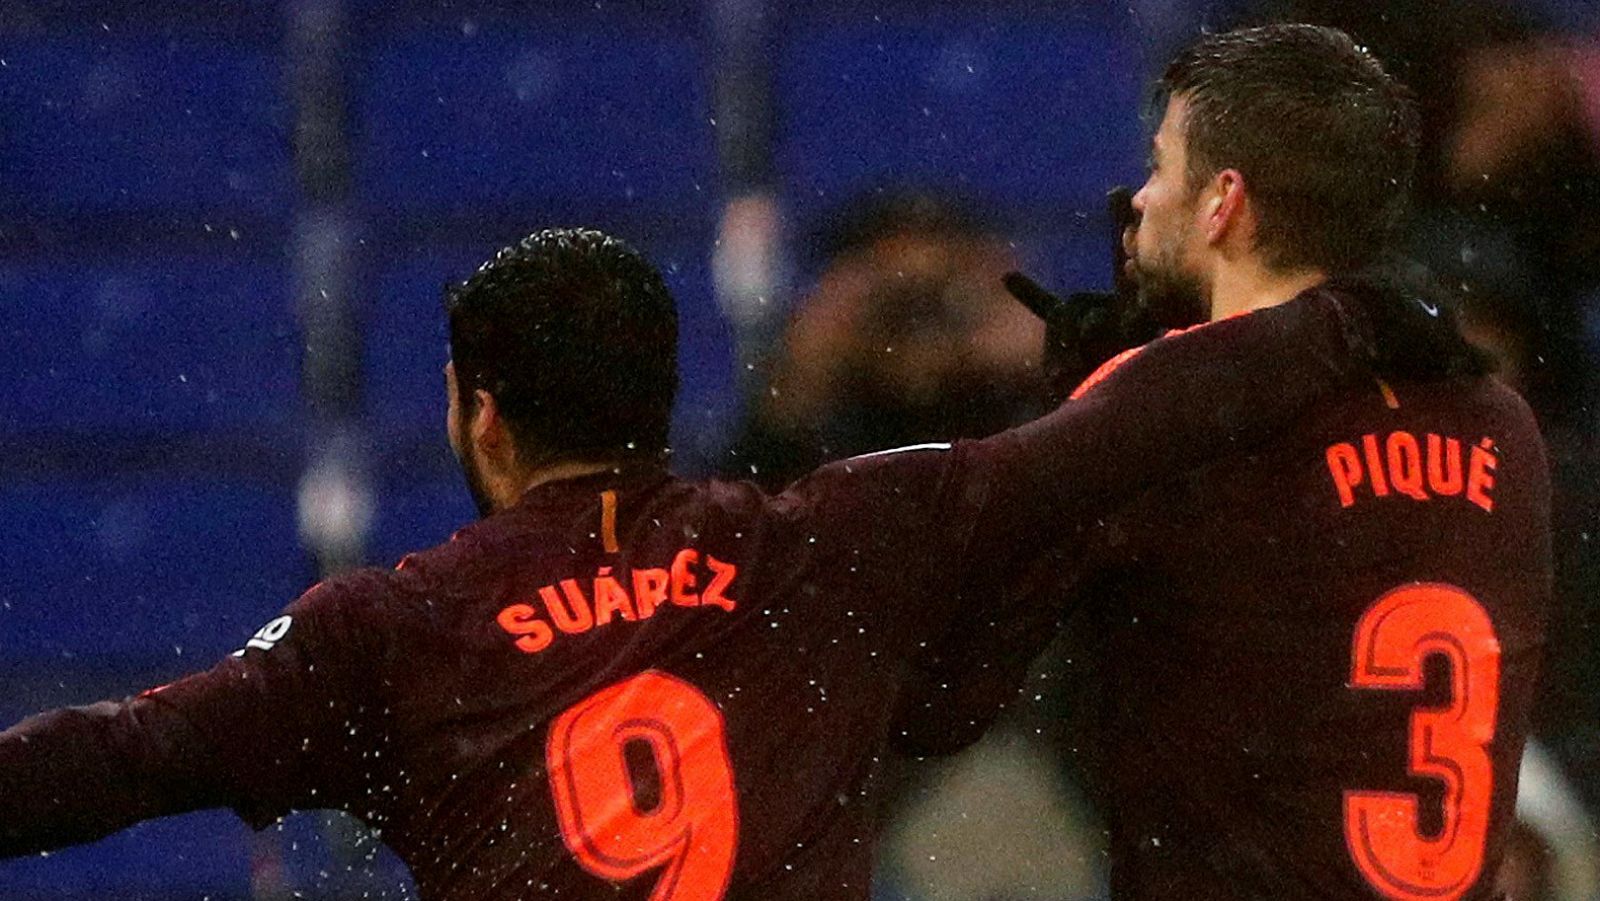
<point>908,337</point>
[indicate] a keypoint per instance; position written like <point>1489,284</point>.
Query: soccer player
<point>618,681</point>
<point>1321,652</point>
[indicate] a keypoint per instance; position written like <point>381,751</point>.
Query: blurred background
<point>225,225</point>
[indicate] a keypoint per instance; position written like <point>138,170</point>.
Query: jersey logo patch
<point>268,636</point>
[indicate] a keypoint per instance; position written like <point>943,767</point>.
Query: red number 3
<point>692,832</point>
<point>1396,634</point>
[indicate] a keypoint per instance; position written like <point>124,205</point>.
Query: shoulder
<point>1105,371</point>
<point>893,470</point>
<point>1507,405</point>
<point>1514,426</point>
<point>1487,404</point>
<point>349,603</point>
<point>899,491</point>
<point>1321,324</point>
<point>389,595</point>
<point>468,555</point>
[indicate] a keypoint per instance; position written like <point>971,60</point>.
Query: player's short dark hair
<point>1325,138</point>
<point>575,335</point>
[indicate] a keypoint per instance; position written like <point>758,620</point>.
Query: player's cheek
<point>1144,238</point>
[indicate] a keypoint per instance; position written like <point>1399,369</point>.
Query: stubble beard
<point>476,484</point>
<point>1173,296</point>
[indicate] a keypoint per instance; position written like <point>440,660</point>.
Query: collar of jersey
<point>562,492</point>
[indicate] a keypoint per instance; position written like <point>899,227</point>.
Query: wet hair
<point>575,335</point>
<point>1325,138</point>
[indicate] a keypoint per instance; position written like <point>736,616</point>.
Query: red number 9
<point>692,831</point>
<point>1393,639</point>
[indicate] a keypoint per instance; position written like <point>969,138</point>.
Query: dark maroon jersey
<point>1319,655</point>
<point>630,685</point>
<point>1339,642</point>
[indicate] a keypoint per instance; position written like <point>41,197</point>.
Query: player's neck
<point>510,488</point>
<point>1245,287</point>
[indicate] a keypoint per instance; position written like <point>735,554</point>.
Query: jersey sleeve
<point>298,717</point>
<point>1184,399</point>
<point>976,514</point>
<point>962,681</point>
<point>291,720</point>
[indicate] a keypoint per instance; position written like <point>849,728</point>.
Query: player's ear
<point>487,425</point>
<point>1226,206</point>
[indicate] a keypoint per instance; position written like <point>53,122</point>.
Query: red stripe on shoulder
<point>1105,370</point>
<point>1111,365</point>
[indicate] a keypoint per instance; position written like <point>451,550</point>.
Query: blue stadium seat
<point>1075,259</point>
<point>708,396</point>
<point>408,338</point>
<point>109,579</point>
<point>106,122</point>
<point>1031,112</point>
<point>504,115</point>
<point>180,343</point>
<point>416,514</point>
<point>193,856</point>
<point>175,570</point>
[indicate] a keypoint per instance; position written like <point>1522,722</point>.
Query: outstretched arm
<point>1179,402</point>
<point>261,732</point>
<point>78,774</point>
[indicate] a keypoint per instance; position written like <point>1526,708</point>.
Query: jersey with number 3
<point>633,686</point>
<point>1322,655</point>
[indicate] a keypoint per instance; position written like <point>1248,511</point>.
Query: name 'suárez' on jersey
<point>634,595</point>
